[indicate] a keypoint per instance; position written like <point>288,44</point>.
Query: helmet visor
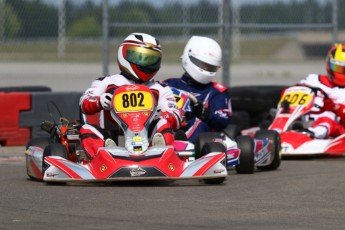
<point>143,57</point>
<point>337,66</point>
<point>203,65</point>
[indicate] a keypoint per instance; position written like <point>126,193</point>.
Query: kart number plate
<point>133,101</point>
<point>296,98</point>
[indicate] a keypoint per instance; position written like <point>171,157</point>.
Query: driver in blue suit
<point>201,59</point>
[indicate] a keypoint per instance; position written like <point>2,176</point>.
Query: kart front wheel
<point>274,138</point>
<point>41,142</point>
<point>209,148</point>
<point>202,139</point>
<point>246,146</point>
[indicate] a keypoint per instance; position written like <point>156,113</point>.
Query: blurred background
<point>64,44</point>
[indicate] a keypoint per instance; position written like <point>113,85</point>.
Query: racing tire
<point>232,131</point>
<point>274,138</point>
<point>246,146</point>
<point>213,147</point>
<point>41,142</point>
<point>55,149</point>
<point>202,139</point>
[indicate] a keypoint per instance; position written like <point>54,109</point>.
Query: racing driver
<point>330,120</point>
<point>139,59</point>
<point>201,59</point>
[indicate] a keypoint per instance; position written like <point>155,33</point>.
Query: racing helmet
<point>139,57</point>
<point>335,64</point>
<point>201,58</point>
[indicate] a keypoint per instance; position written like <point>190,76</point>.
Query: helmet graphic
<point>139,56</point>
<point>201,58</point>
<point>335,64</point>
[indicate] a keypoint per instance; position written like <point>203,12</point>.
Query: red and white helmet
<point>201,58</point>
<point>335,64</point>
<point>139,56</point>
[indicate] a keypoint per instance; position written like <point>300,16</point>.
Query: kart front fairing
<point>116,164</point>
<point>134,108</point>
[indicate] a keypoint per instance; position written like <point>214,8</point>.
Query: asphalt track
<point>301,194</point>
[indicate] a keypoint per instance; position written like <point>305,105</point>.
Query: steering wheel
<point>316,90</point>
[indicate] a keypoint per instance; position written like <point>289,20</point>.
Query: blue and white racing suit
<point>213,96</point>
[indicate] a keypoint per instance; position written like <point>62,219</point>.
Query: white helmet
<point>139,56</point>
<point>201,58</point>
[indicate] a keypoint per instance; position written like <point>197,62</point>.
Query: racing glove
<point>200,111</point>
<point>338,109</point>
<point>328,104</point>
<point>105,101</point>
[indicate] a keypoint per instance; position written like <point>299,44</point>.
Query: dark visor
<point>203,65</point>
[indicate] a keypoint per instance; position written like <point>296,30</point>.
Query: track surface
<point>302,194</point>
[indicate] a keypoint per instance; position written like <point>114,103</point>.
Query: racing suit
<point>214,98</point>
<point>331,120</point>
<point>168,117</point>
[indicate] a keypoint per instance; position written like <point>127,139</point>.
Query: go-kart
<point>292,117</point>
<point>133,108</point>
<point>244,152</point>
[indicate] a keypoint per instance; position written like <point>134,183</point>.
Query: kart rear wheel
<point>246,146</point>
<point>209,148</point>
<point>274,138</point>
<point>54,149</point>
<point>202,139</point>
<point>41,142</point>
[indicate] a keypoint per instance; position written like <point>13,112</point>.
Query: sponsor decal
<point>103,168</point>
<point>132,87</point>
<point>92,99</point>
<point>171,167</point>
<point>222,114</point>
<point>124,115</point>
<point>145,113</point>
<point>52,174</point>
<point>137,172</point>
<point>137,148</point>
<point>218,170</point>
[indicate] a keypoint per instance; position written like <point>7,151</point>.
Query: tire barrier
<point>49,106</point>
<point>25,89</point>
<point>255,101</point>
<point>12,104</point>
<point>23,112</point>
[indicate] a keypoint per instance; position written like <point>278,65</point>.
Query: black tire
<point>54,149</point>
<point>213,147</point>
<point>202,139</point>
<point>246,146</point>
<point>274,138</point>
<point>26,89</point>
<point>232,131</point>
<point>41,142</point>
